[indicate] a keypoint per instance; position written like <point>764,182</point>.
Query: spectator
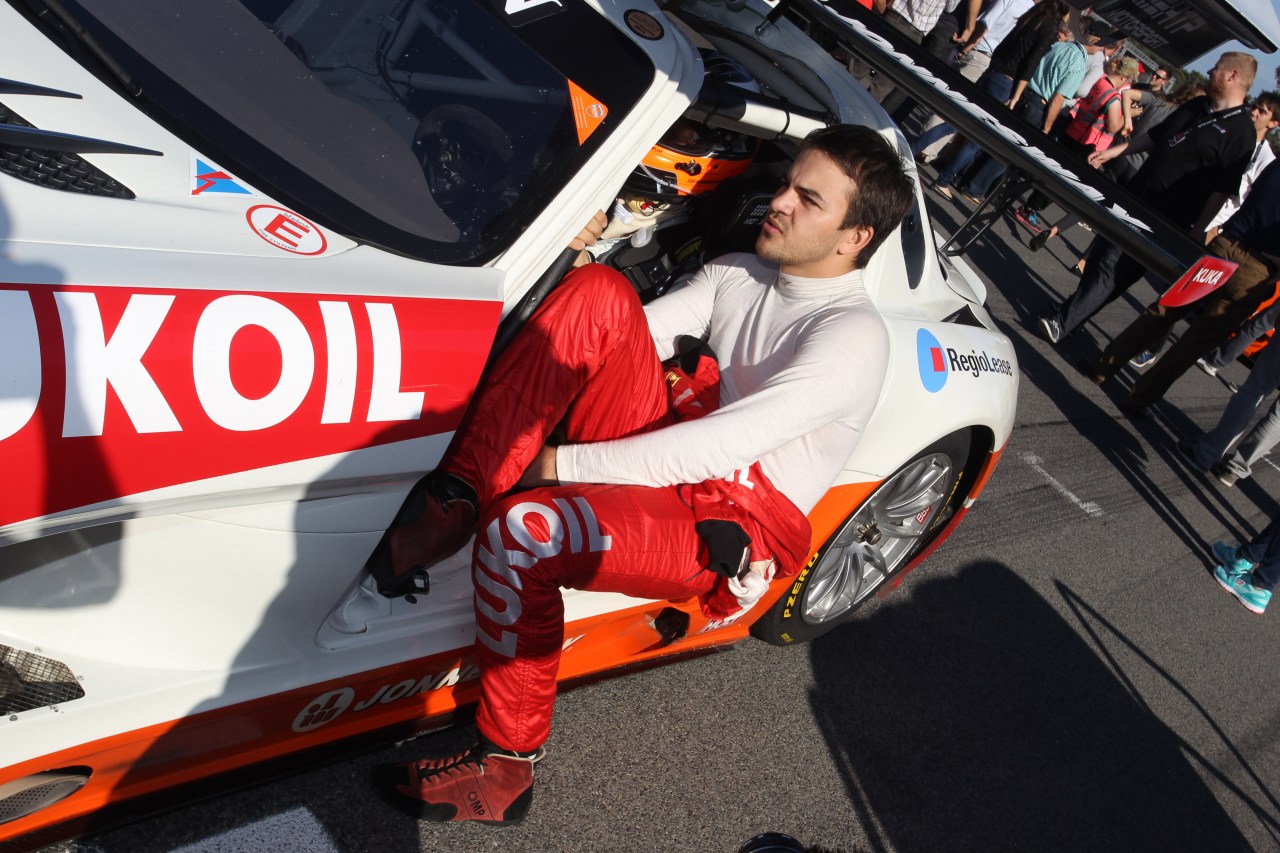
<point>1216,451</point>
<point>1155,109</point>
<point>990,170</point>
<point>914,19</point>
<point>973,57</point>
<point>1265,113</point>
<point>1106,42</point>
<point>1250,239</point>
<point>1250,572</point>
<point>1197,158</point>
<point>1015,58</point>
<point>1248,334</point>
<point>939,43</point>
<point>1123,169</point>
<point>1056,76</point>
<point>1098,118</point>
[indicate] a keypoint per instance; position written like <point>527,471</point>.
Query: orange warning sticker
<point>587,111</point>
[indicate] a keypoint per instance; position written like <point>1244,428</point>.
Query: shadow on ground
<point>977,718</point>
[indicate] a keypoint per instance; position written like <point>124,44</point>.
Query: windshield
<point>434,128</point>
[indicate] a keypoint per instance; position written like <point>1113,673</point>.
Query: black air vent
<point>57,170</point>
<point>30,681</point>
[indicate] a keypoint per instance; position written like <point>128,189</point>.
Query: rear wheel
<point>874,543</point>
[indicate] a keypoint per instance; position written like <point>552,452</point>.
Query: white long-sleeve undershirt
<point>801,360</point>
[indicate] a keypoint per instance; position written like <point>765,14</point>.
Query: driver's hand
<point>591,232</point>
<point>588,236</point>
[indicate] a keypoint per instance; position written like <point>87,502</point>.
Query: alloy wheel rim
<point>877,540</point>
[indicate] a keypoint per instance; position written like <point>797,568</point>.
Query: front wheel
<point>874,543</point>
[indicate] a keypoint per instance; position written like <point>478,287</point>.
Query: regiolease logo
<point>933,362</point>
<point>937,362</point>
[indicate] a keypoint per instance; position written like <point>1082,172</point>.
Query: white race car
<point>254,256</point>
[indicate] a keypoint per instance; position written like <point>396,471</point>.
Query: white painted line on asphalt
<point>1267,459</point>
<point>295,831</point>
<point>1089,508</point>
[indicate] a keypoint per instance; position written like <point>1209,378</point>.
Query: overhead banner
<point>1178,30</point>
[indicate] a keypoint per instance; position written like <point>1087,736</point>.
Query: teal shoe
<point>1230,559</point>
<point>1253,598</point>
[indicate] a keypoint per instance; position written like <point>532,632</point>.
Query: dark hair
<point>1186,92</point>
<point>1272,102</point>
<point>1044,12</point>
<point>882,188</point>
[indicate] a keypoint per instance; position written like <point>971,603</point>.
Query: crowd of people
<point>1201,157</point>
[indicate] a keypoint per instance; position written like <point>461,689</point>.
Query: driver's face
<point>803,232</point>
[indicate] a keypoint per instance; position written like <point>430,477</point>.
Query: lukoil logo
<point>933,362</point>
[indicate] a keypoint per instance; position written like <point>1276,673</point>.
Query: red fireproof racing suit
<point>586,366</point>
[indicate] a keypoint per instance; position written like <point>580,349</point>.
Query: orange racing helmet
<point>691,158</point>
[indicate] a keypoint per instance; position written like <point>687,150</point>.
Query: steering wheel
<point>466,158</point>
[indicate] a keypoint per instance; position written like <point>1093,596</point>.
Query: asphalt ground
<point>1062,674</point>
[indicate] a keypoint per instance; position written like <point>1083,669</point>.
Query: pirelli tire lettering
<point>845,567</point>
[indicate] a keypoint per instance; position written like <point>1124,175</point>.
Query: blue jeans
<point>1213,445</point>
<point>998,86</point>
<point>1249,332</point>
<point>1265,551</point>
<point>1031,107</point>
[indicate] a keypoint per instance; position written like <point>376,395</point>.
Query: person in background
<point>1217,450</point>
<point>1155,106</point>
<point>1099,117</point>
<point>1251,239</point>
<point>1250,572</point>
<point>1197,158</point>
<point>914,19</point>
<point>1123,169</point>
<point>939,43</point>
<point>1265,113</point>
<point>973,57</point>
<point>1015,59</point>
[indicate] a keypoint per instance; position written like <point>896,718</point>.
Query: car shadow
<point>979,718</point>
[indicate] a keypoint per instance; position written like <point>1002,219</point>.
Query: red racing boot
<point>435,520</point>
<point>484,784</point>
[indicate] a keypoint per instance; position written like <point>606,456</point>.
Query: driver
<point>698,491</point>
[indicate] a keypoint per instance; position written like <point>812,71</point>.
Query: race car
<point>254,258</point>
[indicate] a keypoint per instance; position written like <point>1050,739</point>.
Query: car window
<point>434,128</point>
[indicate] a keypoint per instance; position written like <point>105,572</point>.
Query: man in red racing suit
<point>661,483</point>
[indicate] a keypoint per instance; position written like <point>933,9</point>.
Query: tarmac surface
<point>1062,674</point>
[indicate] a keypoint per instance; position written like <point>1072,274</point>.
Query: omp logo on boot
<point>933,361</point>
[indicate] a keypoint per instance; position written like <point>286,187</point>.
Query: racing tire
<point>873,544</point>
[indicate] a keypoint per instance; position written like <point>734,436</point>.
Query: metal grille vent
<point>57,170</point>
<point>25,796</point>
<point>30,681</point>
<point>27,801</point>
